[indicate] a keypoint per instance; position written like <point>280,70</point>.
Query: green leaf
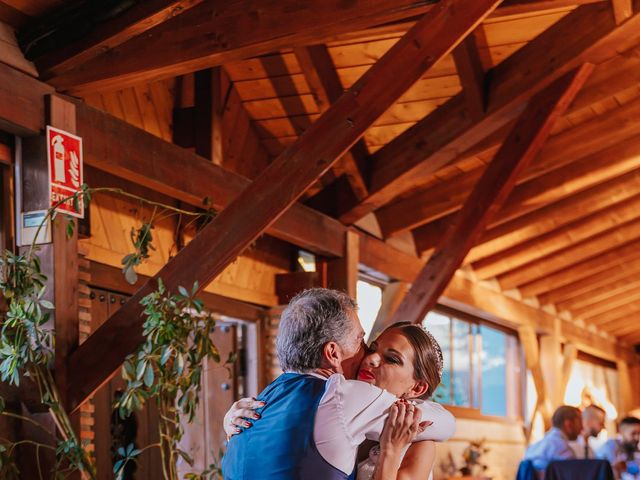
<point>183,291</point>
<point>71,224</point>
<point>140,370</point>
<point>148,376</point>
<point>46,304</point>
<point>130,275</point>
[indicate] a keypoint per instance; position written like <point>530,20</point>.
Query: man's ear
<point>332,356</point>
<point>419,388</point>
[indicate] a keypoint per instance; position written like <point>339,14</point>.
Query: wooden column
<point>280,185</point>
<point>519,149</point>
<point>625,387</point>
<point>342,273</point>
<point>529,342</point>
<point>208,110</point>
<point>65,271</point>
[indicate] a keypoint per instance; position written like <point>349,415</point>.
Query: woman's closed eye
<point>393,359</point>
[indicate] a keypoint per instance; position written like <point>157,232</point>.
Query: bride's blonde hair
<point>427,359</point>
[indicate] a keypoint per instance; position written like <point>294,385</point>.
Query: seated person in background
<point>593,418</point>
<point>567,425</point>
<point>623,448</point>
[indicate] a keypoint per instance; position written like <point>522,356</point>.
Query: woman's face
<point>388,364</point>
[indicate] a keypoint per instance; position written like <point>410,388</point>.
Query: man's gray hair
<point>311,320</point>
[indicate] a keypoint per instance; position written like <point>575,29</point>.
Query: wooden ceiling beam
<point>557,215</point>
<point>439,138</point>
<point>600,293</point>
<point>576,253</point>
<point>597,282</point>
<point>565,148</point>
<point>622,10</point>
<point>241,29</point>
<point>320,73</point>
<point>591,266</point>
<point>520,148</point>
<point>603,307</point>
<point>137,20</point>
<point>614,314</point>
<point>472,76</point>
<point>542,246</point>
<point>264,200</point>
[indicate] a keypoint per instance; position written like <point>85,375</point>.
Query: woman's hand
<point>401,427</point>
<point>239,414</point>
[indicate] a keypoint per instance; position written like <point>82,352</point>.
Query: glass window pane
<point>439,326</point>
<point>461,364</point>
<point>369,299</point>
<point>494,378</point>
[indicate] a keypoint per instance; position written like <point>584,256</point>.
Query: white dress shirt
<point>351,411</point>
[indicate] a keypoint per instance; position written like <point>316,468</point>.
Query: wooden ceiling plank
<point>137,20</point>
<point>438,139</point>
<point>521,147</point>
<point>597,282</point>
<point>577,252</point>
<point>603,307</point>
<point>242,30</point>
<point>320,73</point>
<point>547,244</point>
<point>556,215</point>
<point>597,295</point>
<point>591,266</point>
<point>264,200</point>
<point>611,315</point>
<point>598,168</point>
<point>562,149</point>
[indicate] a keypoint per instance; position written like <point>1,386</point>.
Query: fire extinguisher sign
<point>64,155</point>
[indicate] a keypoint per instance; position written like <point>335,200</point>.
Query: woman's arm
<point>399,430</point>
<point>418,461</point>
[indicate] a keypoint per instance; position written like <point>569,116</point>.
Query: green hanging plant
<point>166,368</point>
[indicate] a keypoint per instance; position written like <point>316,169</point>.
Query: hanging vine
<point>167,367</point>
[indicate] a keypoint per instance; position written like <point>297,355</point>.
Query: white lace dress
<point>367,467</point>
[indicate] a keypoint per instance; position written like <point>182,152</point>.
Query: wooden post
<point>342,273</point>
<point>625,386</point>
<point>521,146</point>
<point>280,185</point>
<point>208,114</point>
<point>529,342</point>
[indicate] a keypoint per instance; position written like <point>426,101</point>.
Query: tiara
<point>439,356</point>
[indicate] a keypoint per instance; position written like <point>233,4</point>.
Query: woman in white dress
<point>407,361</point>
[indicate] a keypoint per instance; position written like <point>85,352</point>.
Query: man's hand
<point>239,414</point>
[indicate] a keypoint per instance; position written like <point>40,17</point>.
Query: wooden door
<point>112,432</point>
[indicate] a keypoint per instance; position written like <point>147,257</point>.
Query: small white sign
<point>29,224</point>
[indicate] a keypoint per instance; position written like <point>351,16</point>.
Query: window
<point>369,297</point>
<point>482,365</point>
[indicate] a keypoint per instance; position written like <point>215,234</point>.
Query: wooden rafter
<point>298,167</point>
<point>136,21</point>
<point>242,29</point>
<point>614,258</point>
<point>564,259</point>
<point>541,246</point>
<point>520,148</point>
<point>615,300</point>
<point>326,88</point>
<point>469,67</point>
<point>599,291</point>
<point>436,140</point>
<point>563,149</point>
<point>532,197</point>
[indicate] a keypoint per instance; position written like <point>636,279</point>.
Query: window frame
<point>515,371</point>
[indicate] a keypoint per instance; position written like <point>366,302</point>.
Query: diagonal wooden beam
<point>600,167</point>
<point>410,159</point>
<point>320,73</point>
<point>137,20</point>
<point>469,67</point>
<point>568,147</point>
<point>214,33</point>
<point>260,204</point>
<point>521,146</point>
